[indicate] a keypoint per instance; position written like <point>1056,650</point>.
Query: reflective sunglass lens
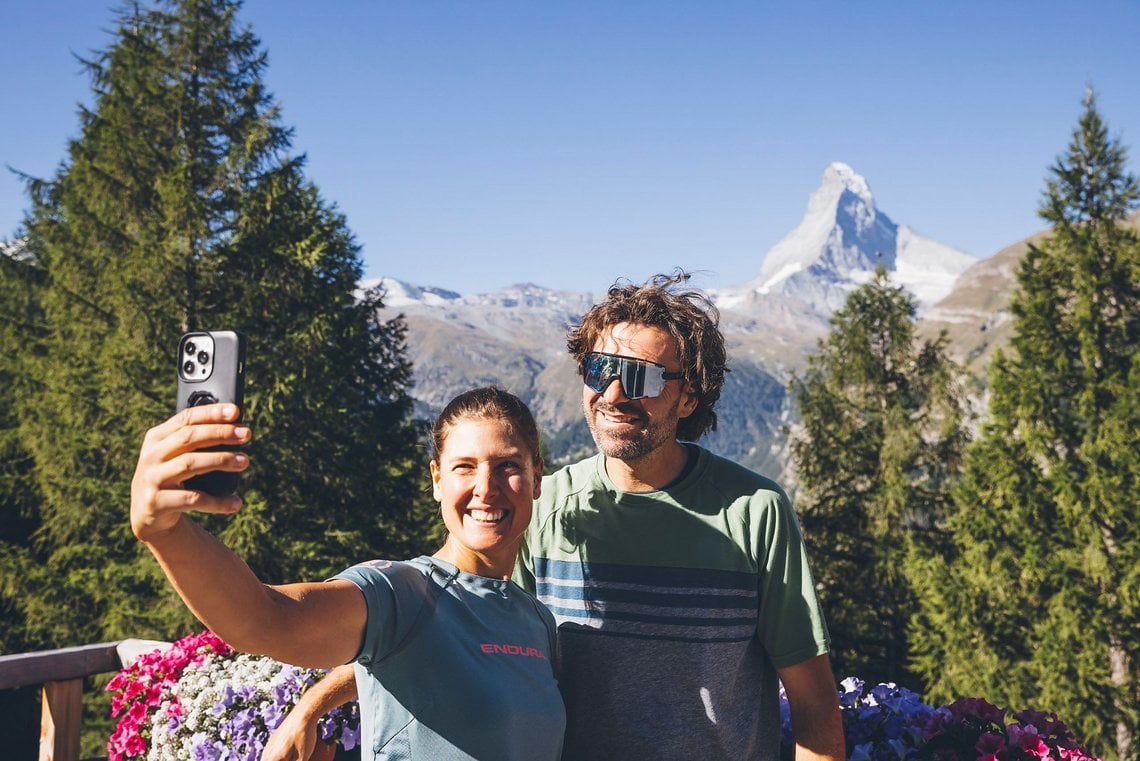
<point>638,378</point>
<point>597,372</point>
<point>633,379</point>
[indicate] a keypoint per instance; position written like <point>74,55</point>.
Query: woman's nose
<point>485,482</point>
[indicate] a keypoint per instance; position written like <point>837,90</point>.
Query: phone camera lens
<point>203,357</point>
<point>190,348</point>
<point>188,367</point>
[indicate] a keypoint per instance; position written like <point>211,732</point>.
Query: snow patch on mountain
<point>398,294</point>
<point>927,268</point>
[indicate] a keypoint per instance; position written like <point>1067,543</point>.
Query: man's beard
<point>636,444</point>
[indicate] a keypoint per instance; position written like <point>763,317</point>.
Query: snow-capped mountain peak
<point>840,241</point>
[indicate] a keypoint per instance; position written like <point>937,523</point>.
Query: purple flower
<point>852,690</point>
<point>990,743</point>
<point>205,749</point>
<point>350,737</point>
<point>274,714</point>
<point>977,707</point>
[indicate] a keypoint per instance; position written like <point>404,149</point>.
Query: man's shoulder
<point>570,478</point>
<point>728,476</point>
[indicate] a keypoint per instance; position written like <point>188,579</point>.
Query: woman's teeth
<point>486,516</point>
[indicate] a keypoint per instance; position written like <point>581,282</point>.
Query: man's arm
<point>295,739</point>
<point>814,700</point>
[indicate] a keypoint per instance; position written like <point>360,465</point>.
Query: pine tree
<point>1046,567</point>
<point>18,500</point>
<point>880,441</point>
<point>178,209</point>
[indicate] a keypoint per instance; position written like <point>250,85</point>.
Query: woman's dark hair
<point>487,403</point>
<point>688,316</point>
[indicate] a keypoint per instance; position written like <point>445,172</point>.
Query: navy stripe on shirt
<point>674,604</point>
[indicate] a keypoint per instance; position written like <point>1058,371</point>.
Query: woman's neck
<point>496,566</point>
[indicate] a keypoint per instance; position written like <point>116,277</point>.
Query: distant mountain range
<point>515,337</point>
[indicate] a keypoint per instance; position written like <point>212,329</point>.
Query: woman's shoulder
<point>392,572</point>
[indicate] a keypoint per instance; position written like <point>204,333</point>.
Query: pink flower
<point>1074,754</point>
<point>1028,740</point>
<point>142,687</point>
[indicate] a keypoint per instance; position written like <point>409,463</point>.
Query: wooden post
<point>60,720</point>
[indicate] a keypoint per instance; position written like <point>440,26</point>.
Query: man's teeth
<point>487,516</point>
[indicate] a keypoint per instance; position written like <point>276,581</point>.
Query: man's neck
<point>655,471</point>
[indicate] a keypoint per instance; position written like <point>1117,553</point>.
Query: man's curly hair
<point>688,316</point>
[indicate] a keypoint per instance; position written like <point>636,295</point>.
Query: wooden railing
<point>61,672</point>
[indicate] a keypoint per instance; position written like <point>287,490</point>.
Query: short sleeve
<point>394,593</point>
<point>791,621</point>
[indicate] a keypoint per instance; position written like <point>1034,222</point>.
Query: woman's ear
<point>539,469</point>
<point>435,474</point>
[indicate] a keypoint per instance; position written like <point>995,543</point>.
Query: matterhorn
<point>838,245</point>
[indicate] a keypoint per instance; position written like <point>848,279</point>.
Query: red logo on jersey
<point>527,652</point>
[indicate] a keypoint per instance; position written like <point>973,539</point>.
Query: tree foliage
<point>1038,603</point>
<point>880,441</point>
<point>179,208</point>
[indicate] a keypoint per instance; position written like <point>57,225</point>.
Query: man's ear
<point>688,403</point>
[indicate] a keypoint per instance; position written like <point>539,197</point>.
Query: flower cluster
<point>975,729</point>
<point>883,724</point>
<point>200,700</point>
<point>140,688</point>
<point>891,723</point>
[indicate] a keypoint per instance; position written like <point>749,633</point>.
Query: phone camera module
<point>203,358</point>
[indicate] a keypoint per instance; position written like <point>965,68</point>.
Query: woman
<point>452,659</point>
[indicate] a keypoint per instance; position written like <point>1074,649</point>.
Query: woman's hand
<point>172,453</point>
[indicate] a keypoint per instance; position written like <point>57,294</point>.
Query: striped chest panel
<point>651,603</point>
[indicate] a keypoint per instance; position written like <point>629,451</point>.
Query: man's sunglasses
<point>639,378</point>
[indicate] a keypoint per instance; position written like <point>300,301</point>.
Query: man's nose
<point>614,392</point>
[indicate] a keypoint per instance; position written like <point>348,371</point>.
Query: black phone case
<point>222,381</point>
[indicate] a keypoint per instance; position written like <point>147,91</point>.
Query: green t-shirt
<point>674,609</point>
<point>454,666</point>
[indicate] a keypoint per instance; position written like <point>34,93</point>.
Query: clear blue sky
<point>472,145</point>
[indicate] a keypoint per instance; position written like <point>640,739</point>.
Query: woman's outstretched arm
<point>314,624</point>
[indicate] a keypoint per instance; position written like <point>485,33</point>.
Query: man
<point>679,580</point>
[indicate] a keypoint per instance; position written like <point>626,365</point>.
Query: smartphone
<point>211,369</point>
